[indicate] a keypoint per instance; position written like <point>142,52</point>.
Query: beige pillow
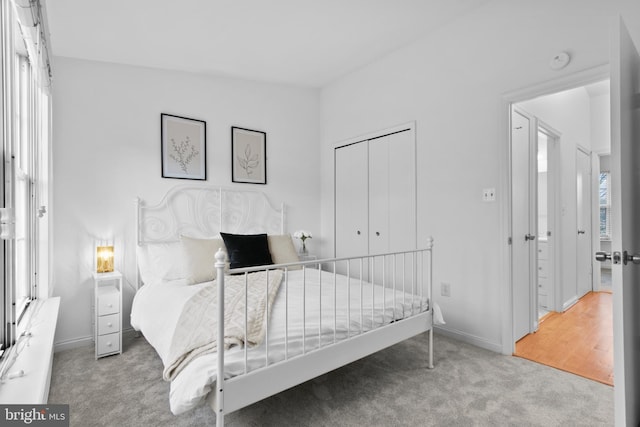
<point>200,257</point>
<point>161,262</point>
<point>282,249</point>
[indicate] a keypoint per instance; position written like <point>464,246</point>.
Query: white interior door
<point>402,191</point>
<point>351,200</point>
<point>584,253</point>
<point>524,266</point>
<point>392,200</point>
<point>625,201</point>
<point>379,174</point>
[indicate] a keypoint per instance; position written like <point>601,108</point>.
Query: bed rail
<point>393,300</point>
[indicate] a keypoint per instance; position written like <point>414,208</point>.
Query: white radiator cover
<point>35,360</point>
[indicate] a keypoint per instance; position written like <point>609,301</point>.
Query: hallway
<point>579,340</point>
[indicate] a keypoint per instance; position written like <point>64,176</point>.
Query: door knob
<point>529,237</point>
<point>581,231</point>
<point>635,258</point>
<point>616,257</point>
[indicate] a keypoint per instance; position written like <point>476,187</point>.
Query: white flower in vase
<point>303,236</point>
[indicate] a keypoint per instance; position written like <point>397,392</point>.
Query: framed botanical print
<point>184,147</point>
<point>248,156</point>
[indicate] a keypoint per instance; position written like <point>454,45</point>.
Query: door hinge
<point>509,241</point>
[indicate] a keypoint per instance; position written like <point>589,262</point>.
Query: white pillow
<point>282,249</point>
<point>161,262</point>
<point>200,257</point>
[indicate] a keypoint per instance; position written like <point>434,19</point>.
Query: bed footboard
<point>358,305</point>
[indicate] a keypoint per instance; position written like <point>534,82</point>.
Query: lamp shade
<point>104,261</point>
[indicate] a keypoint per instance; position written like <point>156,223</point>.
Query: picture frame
<point>248,156</point>
<point>183,147</point>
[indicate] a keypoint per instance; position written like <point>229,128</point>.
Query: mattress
<point>313,308</point>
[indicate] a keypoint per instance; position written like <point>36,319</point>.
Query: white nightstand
<point>307,257</point>
<point>108,313</point>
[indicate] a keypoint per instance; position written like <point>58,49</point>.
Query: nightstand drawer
<point>542,300</point>
<point>543,268</point>
<point>108,300</point>
<point>543,284</point>
<point>108,343</point>
<point>543,251</point>
<point>109,324</point>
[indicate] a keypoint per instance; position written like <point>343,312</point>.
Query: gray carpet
<point>469,387</point>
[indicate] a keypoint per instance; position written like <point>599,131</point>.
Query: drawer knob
<point>109,305</point>
<point>109,324</point>
<point>108,344</point>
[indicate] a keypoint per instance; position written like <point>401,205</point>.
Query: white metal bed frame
<point>205,211</point>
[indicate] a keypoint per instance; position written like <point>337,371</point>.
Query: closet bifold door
<point>392,201</point>
<point>402,192</point>
<point>351,205</point>
<point>392,193</point>
<point>379,196</point>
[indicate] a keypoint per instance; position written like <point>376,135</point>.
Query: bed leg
<point>430,366</point>
<point>220,419</point>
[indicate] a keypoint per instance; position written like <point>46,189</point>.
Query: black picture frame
<point>183,145</point>
<point>248,156</point>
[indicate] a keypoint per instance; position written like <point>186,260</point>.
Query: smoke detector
<point>559,61</point>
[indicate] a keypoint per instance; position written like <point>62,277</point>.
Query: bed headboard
<point>203,212</point>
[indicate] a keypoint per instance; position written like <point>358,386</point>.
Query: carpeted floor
<point>469,387</point>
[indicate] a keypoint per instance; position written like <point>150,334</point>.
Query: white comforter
<point>157,309</point>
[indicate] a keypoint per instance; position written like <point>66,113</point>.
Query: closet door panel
<point>379,195</point>
<point>402,192</point>
<point>351,203</point>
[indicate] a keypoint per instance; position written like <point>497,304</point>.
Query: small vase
<point>303,250</point>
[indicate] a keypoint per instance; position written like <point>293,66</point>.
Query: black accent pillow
<point>247,250</point>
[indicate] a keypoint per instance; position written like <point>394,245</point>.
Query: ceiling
<point>300,42</point>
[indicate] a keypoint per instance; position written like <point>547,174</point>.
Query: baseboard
<point>469,339</point>
<point>73,343</point>
<point>82,342</point>
<point>568,304</point>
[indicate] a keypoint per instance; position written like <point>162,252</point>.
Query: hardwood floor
<point>579,340</point>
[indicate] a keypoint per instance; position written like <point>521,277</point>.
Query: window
<point>23,179</point>
<point>24,143</point>
<point>605,205</point>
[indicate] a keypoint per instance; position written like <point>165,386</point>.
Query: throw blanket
<point>196,330</point>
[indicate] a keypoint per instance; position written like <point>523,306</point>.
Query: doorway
<point>563,263</point>
<point>535,172</point>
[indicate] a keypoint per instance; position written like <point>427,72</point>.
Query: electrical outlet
<point>489,195</point>
<point>445,289</point>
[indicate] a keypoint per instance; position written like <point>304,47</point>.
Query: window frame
<point>25,131</point>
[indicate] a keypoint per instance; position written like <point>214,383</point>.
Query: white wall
<point>601,124</point>
<point>106,151</point>
<point>452,83</point>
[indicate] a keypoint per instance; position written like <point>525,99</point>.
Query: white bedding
<point>157,308</point>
